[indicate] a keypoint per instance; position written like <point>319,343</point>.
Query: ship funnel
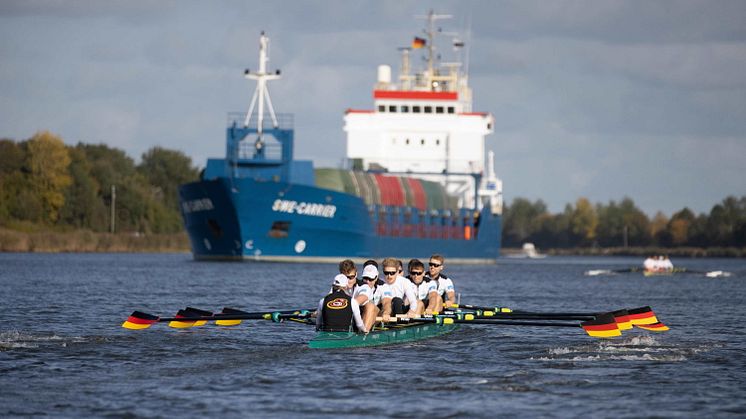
<point>384,74</point>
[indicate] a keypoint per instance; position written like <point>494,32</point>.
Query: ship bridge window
<point>438,109</point>
<point>451,109</point>
<point>422,141</point>
<point>279,229</point>
<point>407,141</point>
<point>415,109</point>
<point>489,126</point>
<point>437,142</point>
<point>405,108</point>
<point>428,109</point>
<point>392,108</point>
<point>381,108</point>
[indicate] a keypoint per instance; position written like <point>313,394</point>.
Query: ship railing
<point>392,221</point>
<point>285,120</point>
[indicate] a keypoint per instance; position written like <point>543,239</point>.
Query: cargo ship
<point>416,179</point>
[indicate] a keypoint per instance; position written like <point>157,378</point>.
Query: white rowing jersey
<point>445,285</point>
<point>365,289</point>
<point>425,288</point>
<point>401,288</point>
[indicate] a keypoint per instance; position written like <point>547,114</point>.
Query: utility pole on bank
<point>113,206</point>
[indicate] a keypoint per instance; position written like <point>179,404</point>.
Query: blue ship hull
<point>234,218</point>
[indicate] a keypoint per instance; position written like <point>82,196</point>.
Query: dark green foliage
<point>622,224</point>
<point>146,194</point>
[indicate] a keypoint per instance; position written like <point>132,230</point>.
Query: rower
<point>649,264</point>
<point>348,269</point>
<point>446,291</point>
<point>427,291</point>
<point>394,290</point>
<point>338,310</point>
<point>368,296</point>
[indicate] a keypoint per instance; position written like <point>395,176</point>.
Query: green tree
<point>583,223</point>
<point>83,205</point>
<point>47,160</point>
<point>521,220</point>
<point>165,170</point>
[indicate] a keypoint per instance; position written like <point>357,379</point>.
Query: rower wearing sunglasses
<point>368,296</point>
<point>427,291</point>
<point>446,291</point>
<point>348,269</point>
<point>394,290</point>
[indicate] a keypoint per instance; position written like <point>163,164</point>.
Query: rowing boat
<point>388,336</point>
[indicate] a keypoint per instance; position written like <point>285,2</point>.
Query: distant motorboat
<point>528,251</point>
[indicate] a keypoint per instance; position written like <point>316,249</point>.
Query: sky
<point>595,99</point>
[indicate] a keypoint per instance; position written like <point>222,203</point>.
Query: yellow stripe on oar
<point>228,322</point>
<point>180,325</point>
<point>655,327</point>
<point>135,326</point>
<point>139,320</point>
<point>505,310</point>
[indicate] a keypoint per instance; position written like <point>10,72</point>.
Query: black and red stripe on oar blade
<point>195,312</point>
<point>228,310</point>
<point>182,324</point>
<point>603,326</point>
<point>139,320</point>
<point>622,319</point>
<point>642,315</point>
<point>655,327</point>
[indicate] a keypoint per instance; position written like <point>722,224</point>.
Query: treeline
<point>46,184</point>
<point>622,224</point>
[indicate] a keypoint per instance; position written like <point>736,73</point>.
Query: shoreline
<point>679,252</point>
<point>86,241</point>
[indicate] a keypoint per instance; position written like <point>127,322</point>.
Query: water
<point>63,352</point>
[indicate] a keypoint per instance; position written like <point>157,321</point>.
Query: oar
<point>625,318</point>
<point>596,272</point>
<point>603,326</point>
<point>229,317</point>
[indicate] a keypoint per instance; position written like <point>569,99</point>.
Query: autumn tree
<point>47,160</point>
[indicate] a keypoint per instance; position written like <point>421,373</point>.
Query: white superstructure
<point>423,124</point>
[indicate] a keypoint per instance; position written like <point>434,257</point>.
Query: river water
<point>63,352</point>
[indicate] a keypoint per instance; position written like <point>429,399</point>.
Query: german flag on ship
<point>418,43</point>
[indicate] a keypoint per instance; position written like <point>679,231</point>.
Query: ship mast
<point>261,92</point>
<point>430,32</point>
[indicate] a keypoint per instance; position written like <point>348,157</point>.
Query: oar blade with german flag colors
<point>642,316</point>
<point>655,327</point>
<point>139,320</point>
<point>621,317</point>
<point>195,312</point>
<point>603,326</point>
<point>178,323</point>
<point>230,322</point>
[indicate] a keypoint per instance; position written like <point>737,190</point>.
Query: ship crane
<point>261,93</point>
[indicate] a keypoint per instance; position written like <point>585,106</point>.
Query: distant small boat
<point>528,251</point>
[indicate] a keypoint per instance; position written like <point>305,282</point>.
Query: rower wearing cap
<point>427,291</point>
<point>394,290</point>
<point>368,296</point>
<point>337,311</point>
<point>446,291</point>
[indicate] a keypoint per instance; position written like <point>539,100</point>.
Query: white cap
<point>370,271</point>
<point>340,281</point>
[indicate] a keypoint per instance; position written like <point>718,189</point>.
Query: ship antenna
<point>261,92</point>
<point>430,32</point>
